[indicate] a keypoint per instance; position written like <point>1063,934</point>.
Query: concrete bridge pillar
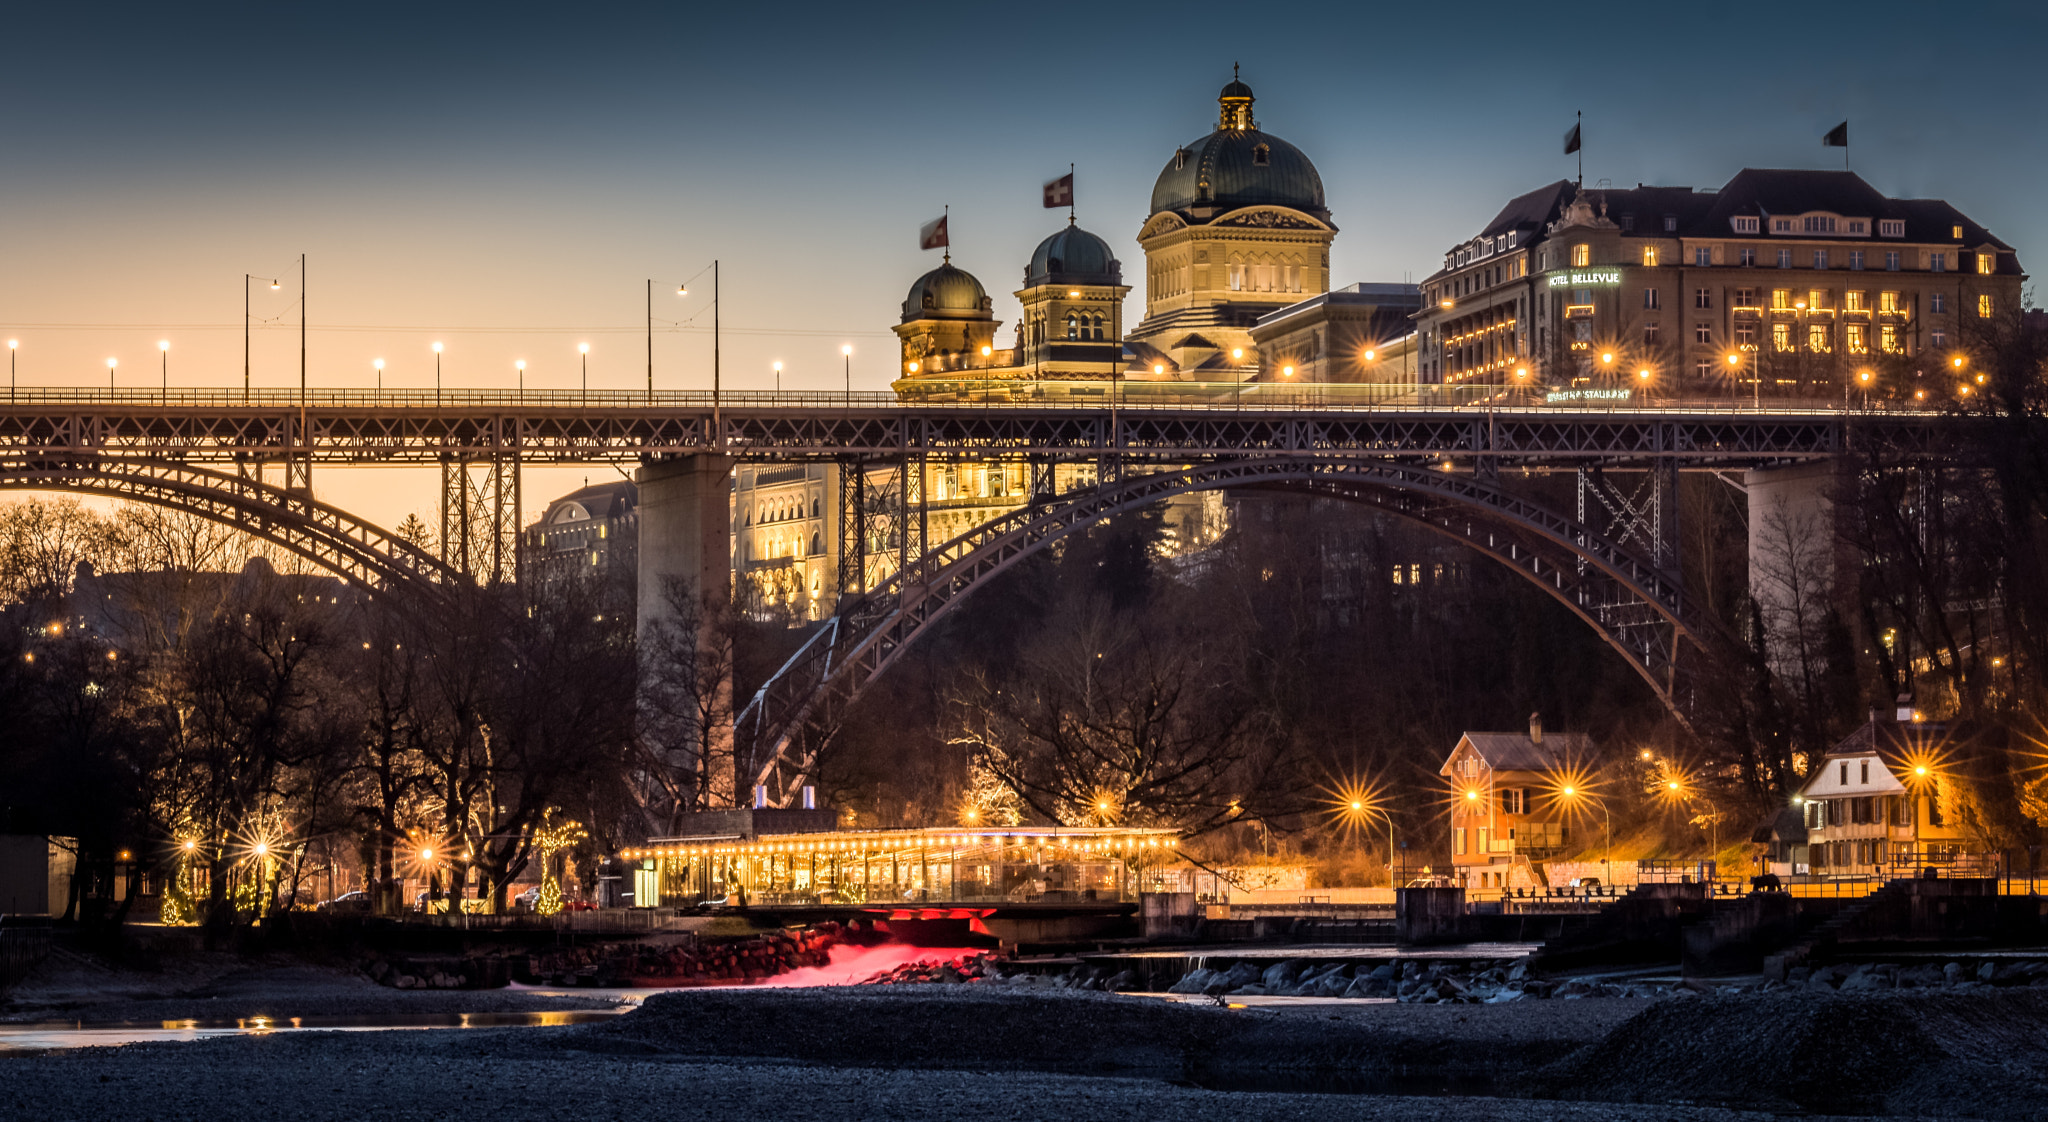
<point>1798,562</point>
<point>686,531</point>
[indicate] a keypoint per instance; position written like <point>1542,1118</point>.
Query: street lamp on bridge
<point>1756,381</point>
<point>111,364</point>
<point>437,373</point>
<point>583,352</point>
<point>778,377</point>
<point>246,278</point>
<point>11,345</point>
<point>163,346</point>
<point>846,352</point>
<point>520,366</point>
<point>378,363</point>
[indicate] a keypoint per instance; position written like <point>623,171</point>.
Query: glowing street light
<point>163,347</point>
<point>11,345</point>
<point>778,376</point>
<point>378,365</point>
<point>111,364</point>
<point>437,373</point>
<point>583,350</point>
<point>520,365</point>
<point>846,352</point>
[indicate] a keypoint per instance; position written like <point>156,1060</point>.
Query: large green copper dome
<point>1238,166</point>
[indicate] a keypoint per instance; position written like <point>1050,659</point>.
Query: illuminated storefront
<point>1018,864</point>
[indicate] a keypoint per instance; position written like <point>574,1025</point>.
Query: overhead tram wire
<point>673,326</point>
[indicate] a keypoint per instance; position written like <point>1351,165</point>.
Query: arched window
<point>1098,328</point>
<point>1262,156</point>
<point>1073,326</point>
<point>814,543</point>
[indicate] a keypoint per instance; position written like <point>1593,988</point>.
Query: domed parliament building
<point>1237,237</point>
<point>1238,228</point>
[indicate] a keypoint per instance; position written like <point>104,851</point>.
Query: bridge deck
<point>358,427</point>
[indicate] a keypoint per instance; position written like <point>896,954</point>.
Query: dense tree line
<point>233,729</point>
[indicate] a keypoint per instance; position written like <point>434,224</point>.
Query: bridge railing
<point>1020,394</point>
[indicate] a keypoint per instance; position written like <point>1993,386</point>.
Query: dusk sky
<point>505,179</point>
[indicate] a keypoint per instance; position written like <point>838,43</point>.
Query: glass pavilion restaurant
<point>1014,883</point>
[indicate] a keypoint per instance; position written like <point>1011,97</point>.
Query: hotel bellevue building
<point>1780,283</point>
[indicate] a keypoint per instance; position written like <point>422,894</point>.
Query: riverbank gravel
<point>276,991</point>
<point>346,1077</point>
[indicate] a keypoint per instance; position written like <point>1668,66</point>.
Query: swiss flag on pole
<point>933,235</point>
<point>1060,192</point>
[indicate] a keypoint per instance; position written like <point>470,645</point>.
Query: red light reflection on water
<point>851,965</point>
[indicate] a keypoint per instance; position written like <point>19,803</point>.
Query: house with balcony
<point>1509,812</point>
<point>1884,801</point>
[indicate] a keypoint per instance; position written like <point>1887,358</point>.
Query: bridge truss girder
<point>1638,606</point>
<point>291,519</point>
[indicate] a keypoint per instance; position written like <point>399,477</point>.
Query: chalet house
<point>1506,811</point>
<point>1883,801</point>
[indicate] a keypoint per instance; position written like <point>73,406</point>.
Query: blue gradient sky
<point>505,178</point>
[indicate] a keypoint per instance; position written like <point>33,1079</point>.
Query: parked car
<point>527,900</point>
<point>348,903</point>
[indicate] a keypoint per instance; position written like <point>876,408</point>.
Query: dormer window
<point>1956,232</point>
<point>1180,158</point>
<point>1582,256</point>
<point>1745,224</point>
<point>1783,226</point>
<point>1670,223</point>
<point>1628,222</point>
<point>1819,224</point>
<point>1263,156</point>
<point>1891,228</point>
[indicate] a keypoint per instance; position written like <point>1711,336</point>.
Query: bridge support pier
<point>1799,568</point>
<point>686,532</point>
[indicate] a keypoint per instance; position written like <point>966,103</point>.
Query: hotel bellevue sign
<point>1585,278</point>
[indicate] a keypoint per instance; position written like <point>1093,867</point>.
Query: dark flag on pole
<point>1060,192</point>
<point>933,235</point>
<point>1571,140</point>
<point>1837,137</point>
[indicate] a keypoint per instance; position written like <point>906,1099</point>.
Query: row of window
<point>1894,260</point>
<point>1815,224</point>
<point>1267,278</point>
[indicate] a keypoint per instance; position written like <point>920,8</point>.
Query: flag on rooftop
<point>1837,137</point>
<point>933,235</point>
<point>1060,192</point>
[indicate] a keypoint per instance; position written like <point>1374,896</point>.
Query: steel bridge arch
<point>1637,607</point>
<point>327,536</point>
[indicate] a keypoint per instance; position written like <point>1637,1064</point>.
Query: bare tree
<point>684,755</point>
<point>1106,720</point>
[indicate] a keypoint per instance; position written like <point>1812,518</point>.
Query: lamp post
<point>1237,362</point>
<point>583,351</point>
<point>520,366</point>
<point>1756,381</point>
<point>11,345</point>
<point>681,290</point>
<point>111,364</point>
<point>163,347</point>
<point>778,377</point>
<point>846,351</point>
<point>246,278</point>
<point>437,373</point>
<point>378,364</point>
<point>302,330</point>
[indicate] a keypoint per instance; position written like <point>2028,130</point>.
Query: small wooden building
<point>1509,808</point>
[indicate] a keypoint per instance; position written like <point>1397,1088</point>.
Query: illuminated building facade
<point>1358,333</point>
<point>901,868</point>
<point>1885,802</point>
<point>785,538</point>
<point>1507,808</point>
<point>1815,282</point>
<point>588,534</point>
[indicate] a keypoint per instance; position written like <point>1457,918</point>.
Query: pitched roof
<point>1515,751</point>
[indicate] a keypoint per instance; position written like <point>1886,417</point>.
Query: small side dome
<point>947,293</point>
<point>1072,256</point>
